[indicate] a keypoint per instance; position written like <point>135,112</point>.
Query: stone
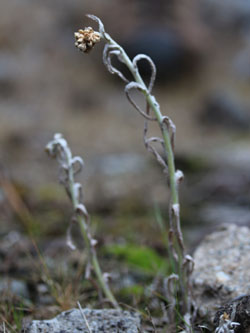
<point>223,110</point>
<point>165,47</point>
<point>72,321</point>
<point>227,13</point>
<point>222,268</point>
<point>14,287</point>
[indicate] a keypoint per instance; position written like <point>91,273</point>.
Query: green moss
<point>135,290</point>
<point>140,257</point>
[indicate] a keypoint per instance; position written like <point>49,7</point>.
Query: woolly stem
<point>59,148</point>
<point>165,133</point>
<point>84,230</point>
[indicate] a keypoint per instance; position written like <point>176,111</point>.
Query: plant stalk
<point>91,250</point>
<point>175,207</point>
<point>156,109</point>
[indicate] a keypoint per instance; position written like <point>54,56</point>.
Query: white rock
<point>222,267</point>
<point>72,321</point>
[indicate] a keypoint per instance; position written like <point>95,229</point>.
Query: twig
<point>84,317</point>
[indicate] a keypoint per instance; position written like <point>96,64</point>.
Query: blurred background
<point>202,53</point>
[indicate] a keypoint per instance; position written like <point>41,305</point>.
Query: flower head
<point>86,39</point>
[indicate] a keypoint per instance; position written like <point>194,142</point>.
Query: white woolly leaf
<point>139,57</point>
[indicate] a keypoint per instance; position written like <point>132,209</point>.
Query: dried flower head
<point>86,39</point>
<point>225,316</point>
<point>226,324</point>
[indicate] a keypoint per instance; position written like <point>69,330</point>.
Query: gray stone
<point>227,13</point>
<point>222,268</point>
<point>15,287</point>
<point>72,321</point>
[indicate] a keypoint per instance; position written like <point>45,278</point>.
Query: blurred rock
<point>227,13</point>
<point>165,47</point>
<point>123,177</point>
<point>222,110</point>
<point>222,268</point>
<point>118,164</point>
<point>241,63</point>
<point>13,246</point>
<point>213,214</point>
<point>111,321</point>
<point>14,287</point>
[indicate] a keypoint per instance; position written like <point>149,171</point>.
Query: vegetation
<point>178,296</point>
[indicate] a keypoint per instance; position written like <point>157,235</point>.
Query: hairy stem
<point>91,250</point>
<point>59,148</point>
<point>177,251</point>
<point>165,133</point>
